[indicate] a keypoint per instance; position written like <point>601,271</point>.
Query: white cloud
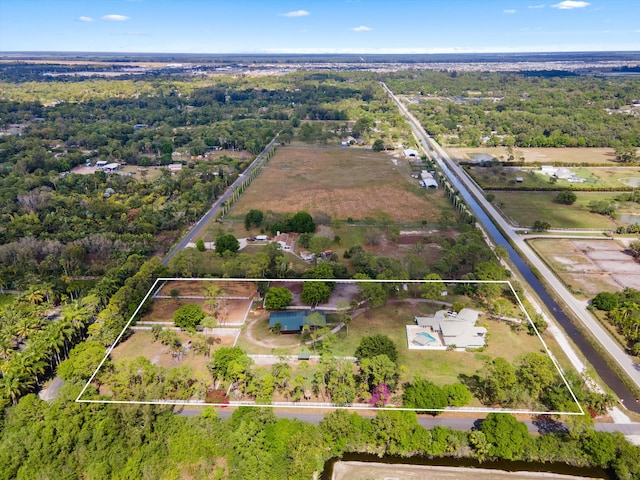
<point>536,6</point>
<point>510,11</point>
<point>570,4</point>
<point>296,13</point>
<point>85,19</point>
<point>115,18</point>
<point>362,28</point>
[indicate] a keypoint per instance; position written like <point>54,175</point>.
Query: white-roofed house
<point>456,330</point>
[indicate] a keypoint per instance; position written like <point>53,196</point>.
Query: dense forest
<point>514,109</point>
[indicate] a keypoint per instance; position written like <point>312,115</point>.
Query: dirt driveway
<point>382,471</point>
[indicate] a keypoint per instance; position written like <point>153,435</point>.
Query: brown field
<point>196,288</point>
<point>344,183</point>
<point>589,266</point>
<point>542,155</point>
<point>141,344</point>
<point>230,311</point>
<point>380,471</point>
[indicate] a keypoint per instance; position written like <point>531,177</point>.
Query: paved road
<point>215,208</point>
<point>578,307</point>
<point>427,421</point>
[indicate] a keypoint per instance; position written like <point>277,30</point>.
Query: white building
<point>457,330</point>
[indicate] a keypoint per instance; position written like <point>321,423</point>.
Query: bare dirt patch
<point>230,311</point>
<point>380,471</point>
<point>341,182</point>
<point>141,344</point>
<point>229,288</point>
<point>590,266</point>
<point>541,155</point>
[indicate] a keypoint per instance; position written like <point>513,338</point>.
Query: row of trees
<point>131,441</point>
<point>623,312</point>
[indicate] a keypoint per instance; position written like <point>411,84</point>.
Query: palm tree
<point>34,296</point>
<point>13,386</point>
<point>26,326</point>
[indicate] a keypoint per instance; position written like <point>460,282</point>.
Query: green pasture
<point>524,208</point>
<point>499,177</point>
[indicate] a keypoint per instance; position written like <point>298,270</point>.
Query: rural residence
<point>453,329</point>
<point>293,321</point>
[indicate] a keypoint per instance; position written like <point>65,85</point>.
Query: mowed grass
<point>343,182</point>
<point>441,367</point>
<point>524,208</point>
<point>498,177</point>
<point>549,156</point>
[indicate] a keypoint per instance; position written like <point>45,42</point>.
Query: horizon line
<point>327,52</point>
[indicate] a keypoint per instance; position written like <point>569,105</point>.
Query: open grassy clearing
<point>524,208</point>
<point>343,182</point>
<point>499,177</point>
<point>545,156</point>
<point>439,366</point>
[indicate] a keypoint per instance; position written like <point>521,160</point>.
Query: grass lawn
<point>342,182</point>
<point>499,177</point>
<point>519,207</point>
<point>438,366</point>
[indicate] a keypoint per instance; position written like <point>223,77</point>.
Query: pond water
<point>557,468</point>
<point>631,182</point>
<point>629,217</point>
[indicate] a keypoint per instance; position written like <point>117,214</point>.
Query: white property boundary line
<point>303,406</point>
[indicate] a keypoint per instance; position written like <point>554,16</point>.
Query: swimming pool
<point>428,337</point>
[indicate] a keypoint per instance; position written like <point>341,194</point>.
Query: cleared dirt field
<point>230,311</point>
<point>541,155</point>
<point>382,471</point>
<point>141,344</point>
<point>196,288</point>
<point>343,183</point>
<point>590,266</point>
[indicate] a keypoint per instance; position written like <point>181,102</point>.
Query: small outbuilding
<point>292,321</point>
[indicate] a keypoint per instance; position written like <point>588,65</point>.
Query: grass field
<point>349,182</point>
<point>498,177</point>
<point>524,208</point>
<point>545,156</point>
<point>438,366</point>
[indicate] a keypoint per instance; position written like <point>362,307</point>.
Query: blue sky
<point>319,26</point>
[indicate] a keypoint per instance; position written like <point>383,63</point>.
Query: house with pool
<point>446,330</point>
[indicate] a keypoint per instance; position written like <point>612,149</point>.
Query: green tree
<point>378,145</point>
<point>253,218</point>
<point>302,222</point>
<point>82,362</point>
<point>188,316</point>
<point>314,293</point>
<point>277,298</point>
<point>508,437</point>
<point>458,395</point>
<point>423,394</point>
<point>200,245</point>
<point>500,382</point>
<point>432,289</point>
<point>227,243</point>
<point>566,197</point>
<point>375,345</point>
<point>606,301</point>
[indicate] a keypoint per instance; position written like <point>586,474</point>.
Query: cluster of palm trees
<point>35,336</point>
<point>626,318</point>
